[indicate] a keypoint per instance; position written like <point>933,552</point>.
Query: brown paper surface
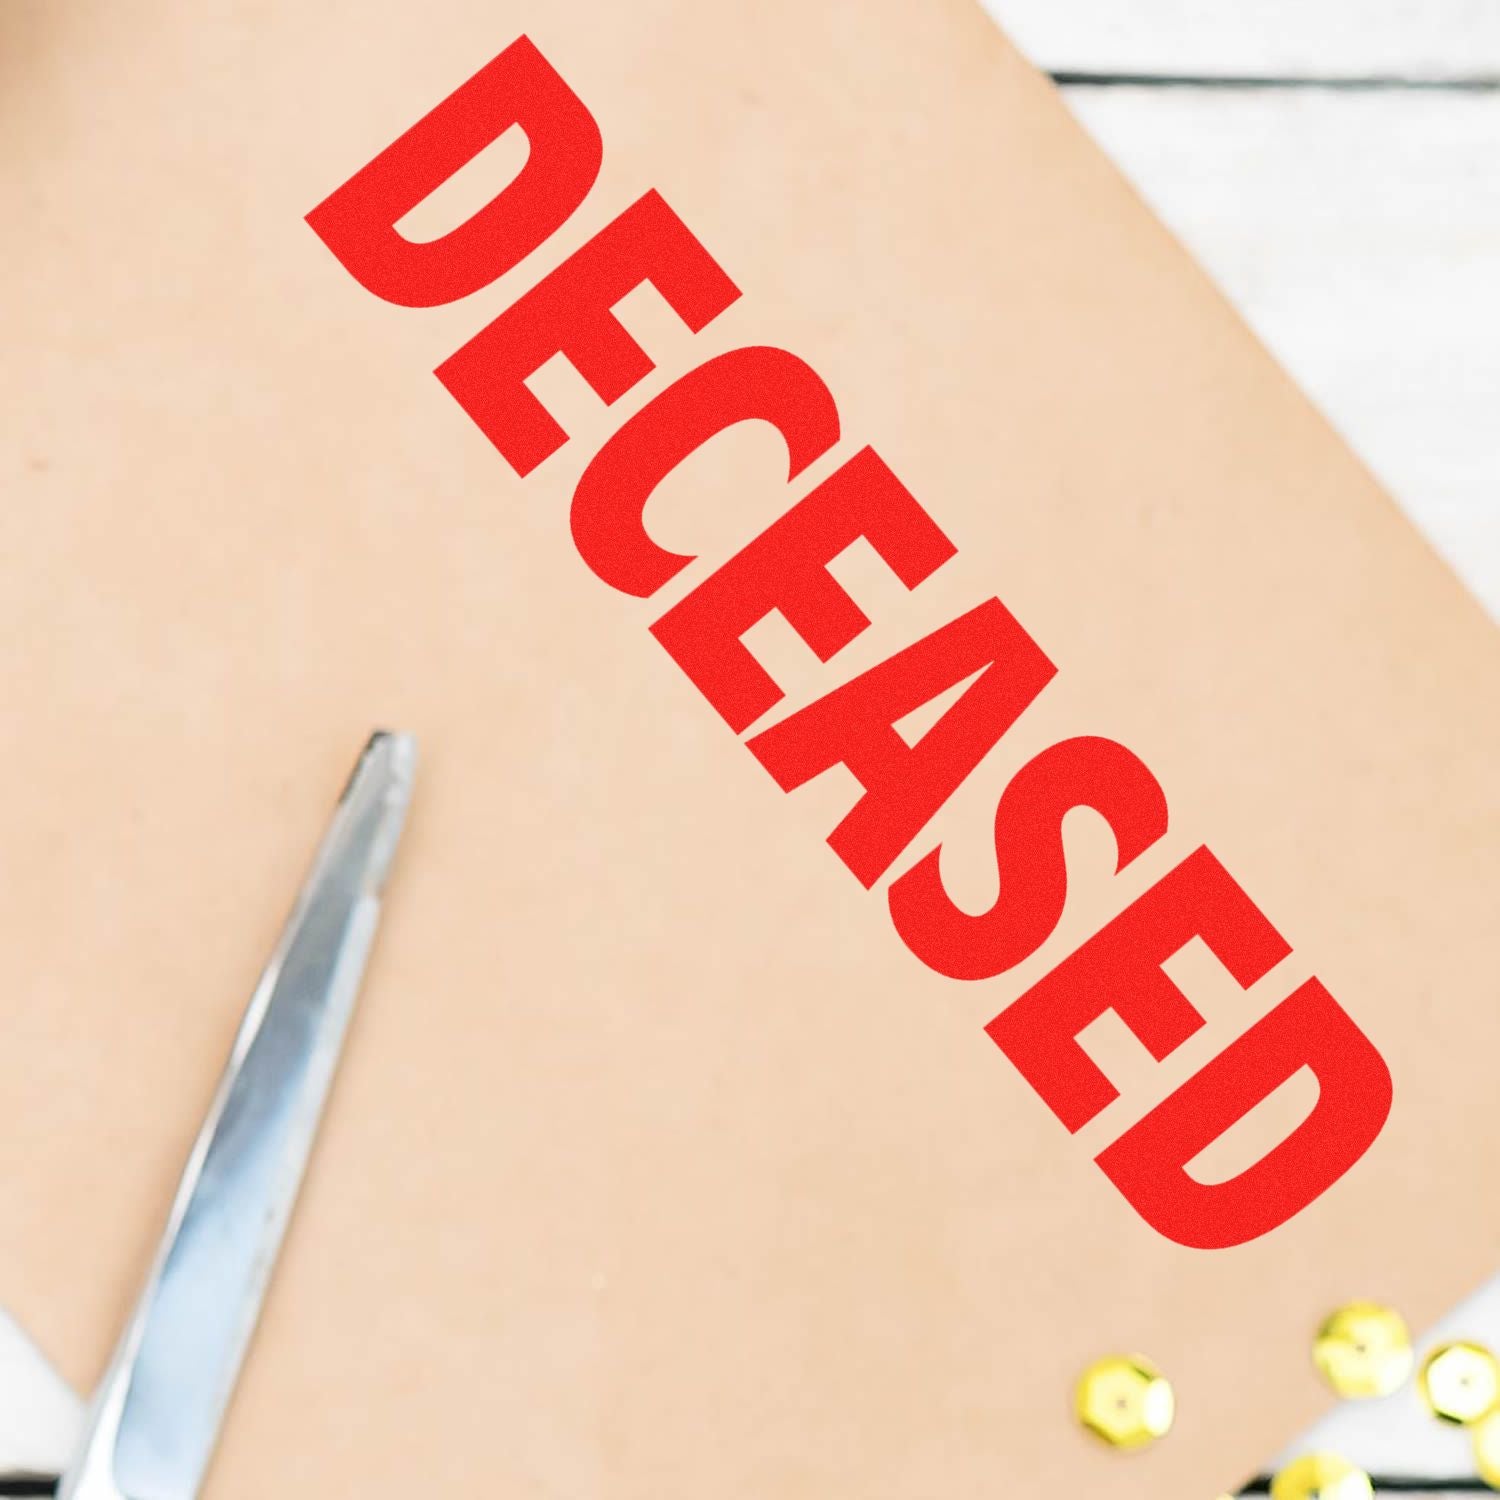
<point>658,1167</point>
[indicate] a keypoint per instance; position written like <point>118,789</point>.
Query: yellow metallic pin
<point>1363,1349</point>
<point>1485,1435</point>
<point>1125,1400</point>
<point>1460,1382</point>
<point>1321,1476</point>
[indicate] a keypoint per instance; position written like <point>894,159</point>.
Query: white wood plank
<point>40,1418</point>
<point>1425,37</point>
<point>1360,237</point>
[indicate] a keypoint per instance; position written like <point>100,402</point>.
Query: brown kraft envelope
<point>924,729</point>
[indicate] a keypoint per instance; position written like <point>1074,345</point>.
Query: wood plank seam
<point>1366,83</point>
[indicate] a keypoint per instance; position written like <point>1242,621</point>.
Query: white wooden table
<point>1336,166</point>
<point>1356,225</point>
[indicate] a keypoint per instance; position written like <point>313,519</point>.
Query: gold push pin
<point>1321,1476</point>
<point>1485,1435</point>
<point>1363,1349</point>
<point>1125,1400</point>
<point>1460,1382</point>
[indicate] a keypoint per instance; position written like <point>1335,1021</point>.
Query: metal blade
<point>156,1416</point>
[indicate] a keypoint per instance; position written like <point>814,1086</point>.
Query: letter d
<point>1309,1029</point>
